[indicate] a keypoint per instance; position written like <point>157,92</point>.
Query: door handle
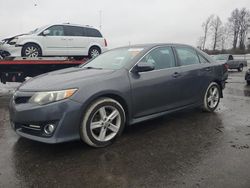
<point>70,39</point>
<point>63,39</point>
<point>176,75</point>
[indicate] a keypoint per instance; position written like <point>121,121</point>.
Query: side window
<point>56,30</point>
<point>74,31</point>
<point>90,32</point>
<point>202,59</point>
<point>187,56</point>
<point>161,58</point>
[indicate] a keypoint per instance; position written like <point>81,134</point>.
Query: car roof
<point>153,45</point>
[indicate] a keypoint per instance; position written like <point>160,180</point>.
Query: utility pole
<point>100,21</point>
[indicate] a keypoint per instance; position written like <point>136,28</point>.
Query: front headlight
<point>51,96</point>
<point>13,41</point>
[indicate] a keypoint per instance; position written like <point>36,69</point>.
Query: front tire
<point>212,97</point>
<point>103,122</point>
<point>31,50</point>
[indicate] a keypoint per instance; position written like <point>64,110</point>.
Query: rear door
<point>77,40</point>
<point>158,90</point>
<point>55,43</point>
<point>195,75</point>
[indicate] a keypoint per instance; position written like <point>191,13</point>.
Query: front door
<point>158,90</point>
<point>55,43</point>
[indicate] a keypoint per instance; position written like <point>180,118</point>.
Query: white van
<point>56,40</point>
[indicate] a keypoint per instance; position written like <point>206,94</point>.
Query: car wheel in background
<point>94,52</point>
<point>240,69</point>
<point>31,50</point>
<point>212,97</point>
<point>103,122</point>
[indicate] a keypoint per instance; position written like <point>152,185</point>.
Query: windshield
<point>37,30</point>
<point>220,57</point>
<point>114,59</point>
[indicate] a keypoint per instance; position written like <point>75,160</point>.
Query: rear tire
<point>94,52</point>
<point>212,97</point>
<point>31,50</point>
<point>103,122</point>
<point>240,69</point>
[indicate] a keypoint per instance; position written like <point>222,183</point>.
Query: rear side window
<point>91,32</point>
<point>56,30</point>
<point>187,56</point>
<point>74,31</point>
<point>161,58</point>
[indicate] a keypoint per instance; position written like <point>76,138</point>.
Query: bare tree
<point>217,30</point>
<point>206,27</point>
<point>200,43</point>
<point>244,19</point>
<point>235,26</point>
<point>226,41</point>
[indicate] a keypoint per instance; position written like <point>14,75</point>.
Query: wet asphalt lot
<point>185,149</point>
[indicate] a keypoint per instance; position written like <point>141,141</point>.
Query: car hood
<point>10,38</point>
<point>64,79</point>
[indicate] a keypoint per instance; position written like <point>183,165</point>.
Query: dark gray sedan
<point>127,85</point>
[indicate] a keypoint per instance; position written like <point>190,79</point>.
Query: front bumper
<point>12,50</point>
<point>65,115</point>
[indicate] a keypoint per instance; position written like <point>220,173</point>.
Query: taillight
<point>105,43</point>
<point>226,66</point>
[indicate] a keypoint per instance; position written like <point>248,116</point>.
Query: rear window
<point>74,31</point>
<point>91,32</point>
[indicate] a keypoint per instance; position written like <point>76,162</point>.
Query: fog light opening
<point>49,129</point>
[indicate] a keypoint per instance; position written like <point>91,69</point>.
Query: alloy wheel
<point>94,53</point>
<point>31,51</point>
<point>213,97</point>
<point>105,123</point>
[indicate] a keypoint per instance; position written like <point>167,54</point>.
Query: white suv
<point>56,40</point>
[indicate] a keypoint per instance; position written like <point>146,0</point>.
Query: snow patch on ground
<point>8,88</point>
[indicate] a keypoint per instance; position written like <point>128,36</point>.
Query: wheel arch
<point>113,95</point>
<point>95,46</point>
<point>221,87</point>
<point>35,43</point>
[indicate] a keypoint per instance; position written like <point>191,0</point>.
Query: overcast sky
<point>123,21</point>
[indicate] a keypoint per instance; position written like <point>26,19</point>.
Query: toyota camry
<point>95,101</point>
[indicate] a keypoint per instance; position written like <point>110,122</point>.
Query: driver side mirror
<point>143,67</point>
<point>46,32</point>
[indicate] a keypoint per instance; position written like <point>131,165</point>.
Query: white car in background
<point>56,40</point>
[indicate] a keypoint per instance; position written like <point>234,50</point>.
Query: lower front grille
<point>21,100</point>
<point>32,129</point>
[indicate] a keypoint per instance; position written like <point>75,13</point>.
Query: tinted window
<point>187,56</point>
<point>161,58</point>
<point>56,30</point>
<point>202,59</point>
<point>90,32</point>
<point>74,31</point>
